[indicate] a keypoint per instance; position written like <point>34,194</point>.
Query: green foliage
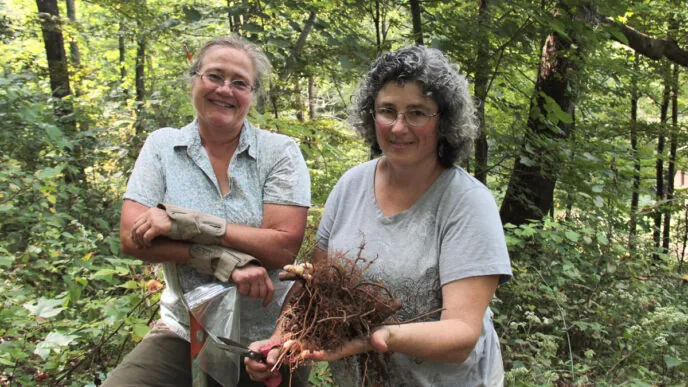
<point>583,309</point>
<point>579,311</point>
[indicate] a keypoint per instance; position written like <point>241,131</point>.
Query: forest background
<point>583,111</point>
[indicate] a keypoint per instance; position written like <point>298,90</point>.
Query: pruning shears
<point>240,349</point>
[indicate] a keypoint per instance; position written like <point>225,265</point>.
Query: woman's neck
<point>397,188</point>
<point>219,142</point>
<point>420,176</point>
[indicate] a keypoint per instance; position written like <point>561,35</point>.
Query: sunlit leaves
<point>53,342</point>
<point>45,308</point>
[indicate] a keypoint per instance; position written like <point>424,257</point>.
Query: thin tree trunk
<point>659,165</point>
<point>140,79</point>
<point>481,80</point>
<point>673,145</point>
<point>376,21</point>
<point>416,19</point>
<point>635,195</point>
<point>311,98</point>
<point>122,56</point>
<point>298,101</point>
<point>73,46</point>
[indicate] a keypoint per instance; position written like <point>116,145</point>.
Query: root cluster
<point>334,306</point>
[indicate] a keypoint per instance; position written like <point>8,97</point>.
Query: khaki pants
<point>163,359</point>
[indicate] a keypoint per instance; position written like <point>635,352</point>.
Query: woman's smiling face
<point>222,108</point>
<point>405,145</point>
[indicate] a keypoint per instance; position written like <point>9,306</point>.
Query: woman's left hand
<point>150,224</point>
<point>378,342</point>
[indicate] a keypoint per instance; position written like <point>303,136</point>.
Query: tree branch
<point>650,47</point>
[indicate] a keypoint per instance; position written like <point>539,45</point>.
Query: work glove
<point>219,261</point>
<point>194,226</point>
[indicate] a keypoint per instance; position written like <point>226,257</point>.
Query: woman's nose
<point>400,124</point>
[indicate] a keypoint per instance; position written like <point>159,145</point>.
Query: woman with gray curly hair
<point>434,230</point>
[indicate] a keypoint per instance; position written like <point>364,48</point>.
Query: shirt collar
<point>191,138</point>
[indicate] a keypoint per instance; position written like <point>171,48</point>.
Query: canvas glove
<point>219,261</point>
<point>194,226</point>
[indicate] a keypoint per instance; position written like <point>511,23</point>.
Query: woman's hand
<point>150,224</point>
<point>253,281</point>
<point>378,342</point>
<point>260,371</point>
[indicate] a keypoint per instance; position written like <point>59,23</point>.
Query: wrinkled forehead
<point>219,57</point>
<point>404,93</point>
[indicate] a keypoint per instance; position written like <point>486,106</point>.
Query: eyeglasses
<point>387,116</point>
<point>218,80</point>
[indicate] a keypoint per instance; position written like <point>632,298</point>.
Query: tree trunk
<point>415,17</point>
<point>530,193</point>
<point>376,22</point>
<point>481,79</point>
<point>659,165</point>
<point>54,49</point>
<point>236,19</point>
<point>311,98</point>
<point>73,46</point>
<point>291,61</point>
<point>59,84</point>
<point>635,195</point>
<point>298,101</point>
<point>140,79</point>
<point>122,57</point>
<point>673,145</point>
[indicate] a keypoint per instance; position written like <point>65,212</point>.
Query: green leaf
<point>122,270</point>
<point>104,274</point>
<point>191,14</point>
<point>131,284</point>
<point>617,34</point>
<point>141,330</point>
<point>672,362</point>
<point>49,173</point>
<point>45,308</point>
<point>7,260</point>
<point>54,134</point>
<point>602,239</point>
<point>54,341</point>
<point>572,236</point>
<point>526,161</point>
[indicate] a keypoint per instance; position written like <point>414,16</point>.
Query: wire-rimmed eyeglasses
<point>218,80</point>
<point>414,117</point>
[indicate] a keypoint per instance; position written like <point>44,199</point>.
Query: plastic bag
<point>215,306</point>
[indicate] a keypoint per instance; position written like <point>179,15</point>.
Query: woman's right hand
<point>148,225</point>
<point>261,371</point>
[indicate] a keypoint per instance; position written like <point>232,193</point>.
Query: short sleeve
<point>328,217</point>
<point>147,181</point>
<point>288,181</point>
<point>473,242</point>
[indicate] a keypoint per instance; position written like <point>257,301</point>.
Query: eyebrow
<point>412,106</point>
<point>220,70</point>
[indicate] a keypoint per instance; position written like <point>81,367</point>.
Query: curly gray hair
<point>441,81</point>
<point>261,64</point>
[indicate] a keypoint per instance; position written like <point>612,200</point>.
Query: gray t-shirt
<point>173,167</point>
<point>452,232</point>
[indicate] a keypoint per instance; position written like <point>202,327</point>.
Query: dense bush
<point>581,312</point>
